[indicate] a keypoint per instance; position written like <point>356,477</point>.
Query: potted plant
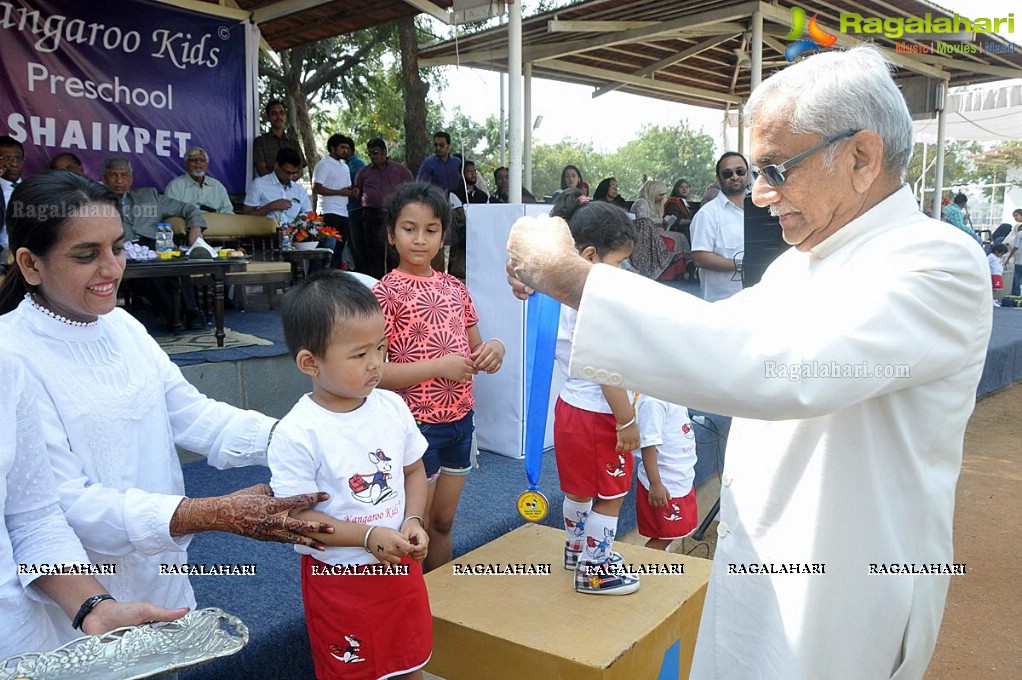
<point>307,230</point>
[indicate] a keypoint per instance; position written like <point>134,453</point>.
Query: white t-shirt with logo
<point>357,457</point>
<point>667,427</point>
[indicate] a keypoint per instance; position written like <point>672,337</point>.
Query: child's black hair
<point>999,249</point>
<point>312,309</point>
<point>418,192</point>
<point>599,224</point>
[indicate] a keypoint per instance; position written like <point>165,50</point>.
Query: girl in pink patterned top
<point>435,349</point>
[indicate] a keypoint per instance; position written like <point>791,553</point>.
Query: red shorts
<point>998,281</point>
<point>678,519</point>
<point>366,626</point>
<point>587,463</point>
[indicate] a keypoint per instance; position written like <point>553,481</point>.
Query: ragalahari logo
<point>818,37</point>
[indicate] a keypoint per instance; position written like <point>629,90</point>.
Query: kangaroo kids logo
<point>818,38</point>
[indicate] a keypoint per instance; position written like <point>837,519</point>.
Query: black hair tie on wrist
<point>87,608</point>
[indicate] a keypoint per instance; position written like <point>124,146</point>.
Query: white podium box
<point>500,398</point>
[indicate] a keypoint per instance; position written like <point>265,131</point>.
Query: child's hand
<point>456,367</point>
<point>388,545</point>
<point>419,539</point>
<point>489,356</point>
<point>658,495</point>
<point>628,438</point>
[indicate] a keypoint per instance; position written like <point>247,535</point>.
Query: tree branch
<point>320,78</point>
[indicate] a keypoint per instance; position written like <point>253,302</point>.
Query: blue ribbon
<point>540,345</point>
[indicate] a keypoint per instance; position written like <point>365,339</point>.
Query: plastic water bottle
<point>164,240</point>
<point>285,239</point>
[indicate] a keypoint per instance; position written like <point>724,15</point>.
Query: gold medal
<point>532,506</point>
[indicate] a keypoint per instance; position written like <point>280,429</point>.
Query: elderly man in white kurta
<point>851,370</point>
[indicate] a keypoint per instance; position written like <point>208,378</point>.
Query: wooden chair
<point>257,236</point>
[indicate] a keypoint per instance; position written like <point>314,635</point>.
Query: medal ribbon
<point>540,345</point>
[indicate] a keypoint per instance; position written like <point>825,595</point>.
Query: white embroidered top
<point>34,533</point>
<point>112,407</point>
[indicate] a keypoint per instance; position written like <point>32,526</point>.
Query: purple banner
<point>128,77</point>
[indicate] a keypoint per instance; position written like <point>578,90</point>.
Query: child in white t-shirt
<point>594,425</point>
<point>996,261</point>
<point>365,599</point>
<point>665,501</point>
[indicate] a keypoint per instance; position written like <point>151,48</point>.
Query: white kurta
<point>112,407</point>
<point>846,472</point>
<point>34,532</point>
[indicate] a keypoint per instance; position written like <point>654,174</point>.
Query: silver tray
<point>137,651</point>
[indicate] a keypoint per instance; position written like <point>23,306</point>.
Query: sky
<point>610,121</point>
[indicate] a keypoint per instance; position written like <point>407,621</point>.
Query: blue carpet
<point>261,322</point>
<point>270,603</point>
<point>1004,353</point>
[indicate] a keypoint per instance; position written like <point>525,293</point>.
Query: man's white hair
<point>835,91</point>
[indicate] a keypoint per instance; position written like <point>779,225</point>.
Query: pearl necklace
<point>58,317</point>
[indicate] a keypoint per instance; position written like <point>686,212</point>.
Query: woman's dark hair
<point>35,217</point>
<point>311,311</point>
<point>564,181</point>
<point>676,191</point>
<point>599,224</point>
<point>418,192</point>
<point>602,188</point>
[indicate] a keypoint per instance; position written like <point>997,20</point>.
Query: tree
<point>548,160</point>
<point>415,90</point>
<point>959,168</point>
<point>329,71</point>
<point>667,153</point>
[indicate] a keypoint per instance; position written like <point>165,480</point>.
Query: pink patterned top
<point>427,318</point>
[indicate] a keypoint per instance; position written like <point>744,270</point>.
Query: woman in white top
<point>113,406</point>
<point>35,539</point>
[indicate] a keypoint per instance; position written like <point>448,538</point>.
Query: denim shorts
<point>450,446</point>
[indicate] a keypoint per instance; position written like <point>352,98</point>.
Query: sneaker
<point>604,578</point>
<point>572,555</point>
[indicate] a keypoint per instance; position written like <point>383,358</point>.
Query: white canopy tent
<point>984,114</point>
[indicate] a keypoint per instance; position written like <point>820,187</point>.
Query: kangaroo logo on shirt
<point>373,487</point>
<point>686,429</point>
<point>349,653</point>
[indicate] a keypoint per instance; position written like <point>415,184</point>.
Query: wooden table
<point>298,258</point>
<point>181,266</point>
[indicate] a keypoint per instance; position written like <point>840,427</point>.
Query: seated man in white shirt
<point>277,195</point>
<point>197,187</point>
